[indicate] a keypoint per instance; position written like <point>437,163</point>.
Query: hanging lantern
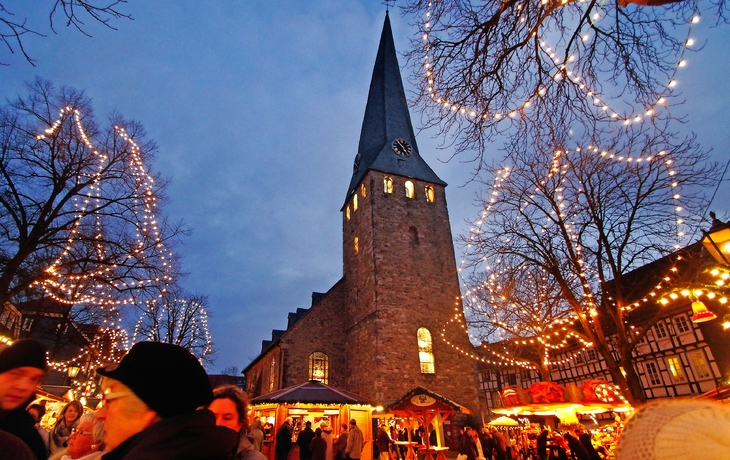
<point>701,313</point>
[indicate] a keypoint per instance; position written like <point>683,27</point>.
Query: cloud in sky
<point>256,107</point>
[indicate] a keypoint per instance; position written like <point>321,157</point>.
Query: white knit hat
<point>670,430</point>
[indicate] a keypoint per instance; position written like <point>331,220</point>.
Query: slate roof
<point>386,120</point>
<point>311,392</point>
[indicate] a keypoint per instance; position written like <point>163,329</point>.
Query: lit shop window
<point>363,190</point>
<point>410,189</point>
<point>347,213</point>
<point>430,196</point>
<point>354,202</point>
<point>675,368</point>
<point>319,366</point>
<point>425,351</point>
<point>388,184</point>
<point>356,245</point>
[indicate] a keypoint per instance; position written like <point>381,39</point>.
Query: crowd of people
<point>158,404</point>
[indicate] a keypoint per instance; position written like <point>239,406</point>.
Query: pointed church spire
<point>387,142</point>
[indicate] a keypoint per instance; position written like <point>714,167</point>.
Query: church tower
<point>401,283</point>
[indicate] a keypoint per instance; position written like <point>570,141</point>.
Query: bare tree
<point>72,13</point>
<point>78,208</point>
<point>230,370</point>
<point>585,217</point>
<point>519,315</point>
<point>480,67</point>
<point>177,318</point>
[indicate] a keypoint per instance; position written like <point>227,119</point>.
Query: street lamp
<point>717,240</point>
<point>73,371</point>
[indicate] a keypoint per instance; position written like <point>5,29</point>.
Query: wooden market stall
<point>429,410</point>
<point>315,402</point>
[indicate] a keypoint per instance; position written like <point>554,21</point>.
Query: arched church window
<point>410,189</point>
<point>319,365</point>
<point>363,190</point>
<point>425,351</point>
<point>347,212</point>
<point>354,202</point>
<point>430,195</point>
<point>356,245</point>
<point>388,184</point>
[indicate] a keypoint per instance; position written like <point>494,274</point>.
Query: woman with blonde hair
<point>67,420</point>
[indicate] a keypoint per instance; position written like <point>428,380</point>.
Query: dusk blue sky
<point>256,107</point>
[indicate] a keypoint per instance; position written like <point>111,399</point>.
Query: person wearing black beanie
<point>22,369</point>
<point>150,407</point>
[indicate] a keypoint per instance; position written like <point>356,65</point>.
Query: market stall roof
<point>312,392</point>
<point>419,399</point>
<point>503,421</point>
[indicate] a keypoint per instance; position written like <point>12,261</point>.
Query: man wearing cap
<point>22,369</point>
<point>355,442</point>
<point>150,406</point>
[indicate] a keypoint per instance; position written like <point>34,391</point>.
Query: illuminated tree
<point>585,217</point>
<point>72,13</point>
<point>481,67</point>
<point>519,315</point>
<point>78,208</point>
<point>178,318</point>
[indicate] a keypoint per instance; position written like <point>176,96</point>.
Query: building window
<point>388,184</point>
<point>363,190</point>
<point>699,363</point>
<point>27,323</point>
<point>579,358</point>
<point>675,368</point>
<point>356,245</point>
<point>591,355</point>
<point>354,202</point>
<point>652,373</point>
<point>347,212</point>
<point>430,195</point>
<point>682,324</point>
<point>661,330</point>
<point>410,189</point>
<point>425,351</point>
<point>272,375</point>
<point>319,365</point>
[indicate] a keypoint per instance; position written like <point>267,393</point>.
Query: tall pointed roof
<point>386,120</point>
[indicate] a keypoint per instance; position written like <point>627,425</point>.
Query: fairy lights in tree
<point>567,67</point>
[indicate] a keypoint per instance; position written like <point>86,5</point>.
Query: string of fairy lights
<point>85,288</point>
<point>564,69</point>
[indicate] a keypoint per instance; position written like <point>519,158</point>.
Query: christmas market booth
<point>315,402</point>
<point>564,402</point>
<point>426,415</point>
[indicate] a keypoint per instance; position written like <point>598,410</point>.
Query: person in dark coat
<point>542,445</point>
<point>150,407</point>
<point>304,440</point>
<point>318,446</point>
<point>469,446</point>
<point>577,451</point>
<point>283,440</point>
<point>487,443</point>
<point>22,369</point>
<point>585,439</point>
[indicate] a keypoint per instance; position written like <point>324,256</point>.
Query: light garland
<point>562,71</point>
<point>73,286</point>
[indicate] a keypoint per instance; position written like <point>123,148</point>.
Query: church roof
<point>386,120</point>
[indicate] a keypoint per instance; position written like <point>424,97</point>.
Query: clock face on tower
<point>402,147</point>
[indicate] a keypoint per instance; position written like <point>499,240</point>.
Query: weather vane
<point>387,4</point>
